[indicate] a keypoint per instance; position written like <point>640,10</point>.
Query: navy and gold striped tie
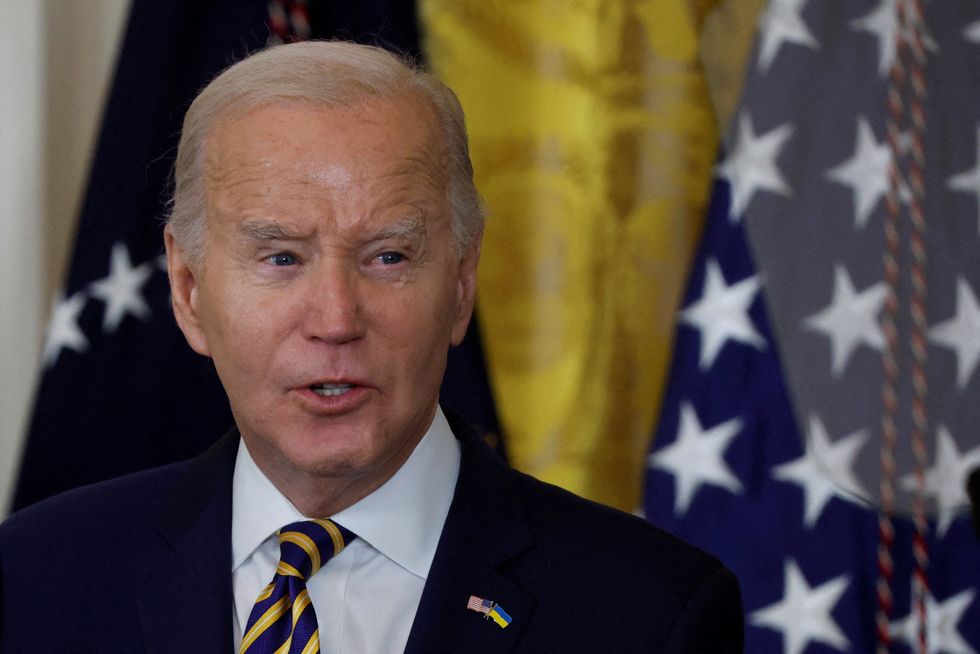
<point>282,620</point>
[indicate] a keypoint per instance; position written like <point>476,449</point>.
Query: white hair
<point>327,74</point>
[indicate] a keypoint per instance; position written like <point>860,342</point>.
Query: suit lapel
<point>484,530</point>
<point>185,598</point>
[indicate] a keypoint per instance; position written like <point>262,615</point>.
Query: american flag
<point>479,604</point>
<point>806,288</point>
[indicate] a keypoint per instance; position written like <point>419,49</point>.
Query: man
<point>322,251</point>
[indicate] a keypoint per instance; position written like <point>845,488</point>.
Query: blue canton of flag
<point>769,445</point>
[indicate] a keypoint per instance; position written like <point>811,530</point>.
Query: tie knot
<point>304,547</point>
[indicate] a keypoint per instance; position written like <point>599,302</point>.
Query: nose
<point>333,306</point>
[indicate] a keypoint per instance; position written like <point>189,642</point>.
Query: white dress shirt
<point>366,597</point>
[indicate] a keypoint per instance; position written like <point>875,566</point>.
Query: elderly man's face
<point>330,290</point>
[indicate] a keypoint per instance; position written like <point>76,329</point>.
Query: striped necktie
<point>282,620</point>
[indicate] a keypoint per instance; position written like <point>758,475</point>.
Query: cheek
<point>419,323</point>
<point>241,326</point>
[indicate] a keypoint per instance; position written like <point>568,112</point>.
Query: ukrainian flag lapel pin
<point>490,610</point>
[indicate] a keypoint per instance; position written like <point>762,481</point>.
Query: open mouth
<point>331,390</point>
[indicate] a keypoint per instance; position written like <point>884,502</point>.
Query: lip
<point>352,400</point>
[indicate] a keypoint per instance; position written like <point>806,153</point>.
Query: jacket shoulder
<point>55,555</point>
<point>90,518</point>
<point>83,511</point>
<point>643,588</point>
<point>117,505</point>
<point>587,530</point>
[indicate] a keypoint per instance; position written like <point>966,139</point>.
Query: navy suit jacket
<point>142,564</point>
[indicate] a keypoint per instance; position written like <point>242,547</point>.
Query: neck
<point>317,497</point>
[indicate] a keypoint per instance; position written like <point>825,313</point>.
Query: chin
<point>337,453</point>
<point>329,468</point>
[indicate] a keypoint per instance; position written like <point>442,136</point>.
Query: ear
<point>466,288</point>
<point>184,294</point>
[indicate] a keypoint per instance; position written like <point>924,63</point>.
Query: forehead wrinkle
<point>427,161</point>
<point>217,178</point>
<point>245,172</point>
<point>232,191</point>
<point>425,165</point>
<point>222,183</point>
<point>414,183</point>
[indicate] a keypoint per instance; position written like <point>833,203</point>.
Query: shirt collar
<point>402,519</point>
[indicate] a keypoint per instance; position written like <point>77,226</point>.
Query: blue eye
<point>391,258</point>
<point>282,259</point>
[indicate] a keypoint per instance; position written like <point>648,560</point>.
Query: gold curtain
<point>593,137</point>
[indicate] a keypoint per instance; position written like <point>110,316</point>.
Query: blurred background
<point>729,279</point>
<point>58,59</point>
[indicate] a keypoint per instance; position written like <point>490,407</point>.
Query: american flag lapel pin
<point>490,610</point>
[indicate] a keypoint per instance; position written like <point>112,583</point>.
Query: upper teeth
<point>330,389</point>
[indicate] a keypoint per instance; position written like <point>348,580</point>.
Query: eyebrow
<point>268,230</point>
<point>410,227</point>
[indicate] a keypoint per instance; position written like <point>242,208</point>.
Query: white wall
<point>56,60</point>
